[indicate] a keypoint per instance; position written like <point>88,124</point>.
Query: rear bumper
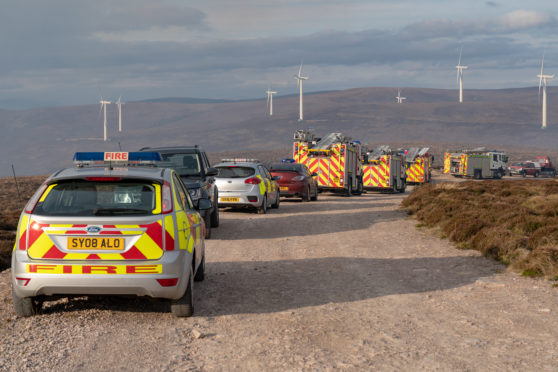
<point>291,190</point>
<point>241,199</point>
<point>126,277</point>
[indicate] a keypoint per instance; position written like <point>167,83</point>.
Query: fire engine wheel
<point>360,188</point>
<point>349,191</point>
<point>184,306</point>
<point>26,306</point>
<point>262,209</point>
<point>403,186</point>
<point>523,174</point>
<point>478,174</point>
<point>536,174</point>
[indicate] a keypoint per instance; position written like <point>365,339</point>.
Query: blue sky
<point>67,52</point>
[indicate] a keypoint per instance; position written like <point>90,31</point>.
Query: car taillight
<point>252,181</point>
<point>298,178</point>
<point>166,199</point>
<point>33,201</point>
<point>171,282</point>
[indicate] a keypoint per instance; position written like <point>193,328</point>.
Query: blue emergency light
<point>287,160</point>
<point>117,157</point>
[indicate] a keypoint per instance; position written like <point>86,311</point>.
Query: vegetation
<point>11,209</point>
<point>515,222</point>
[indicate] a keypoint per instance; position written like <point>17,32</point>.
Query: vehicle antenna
<point>17,187</point>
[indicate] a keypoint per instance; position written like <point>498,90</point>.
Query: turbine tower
<point>104,107</point>
<point>542,82</point>
<point>270,94</point>
<point>119,103</point>
<point>299,79</point>
<point>399,98</point>
<point>460,69</point>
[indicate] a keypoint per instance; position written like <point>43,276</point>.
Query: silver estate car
<point>246,183</point>
<point>109,228</point>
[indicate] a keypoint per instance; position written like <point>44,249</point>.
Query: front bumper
<point>127,277</point>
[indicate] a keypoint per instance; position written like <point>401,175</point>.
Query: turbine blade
<point>300,69</point>
<point>460,50</point>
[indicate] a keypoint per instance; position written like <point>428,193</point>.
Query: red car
<point>295,180</point>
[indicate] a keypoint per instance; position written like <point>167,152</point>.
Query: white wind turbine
<point>119,103</point>
<point>104,107</point>
<point>270,94</point>
<point>542,82</point>
<point>460,69</point>
<point>299,79</point>
<point>399,98</point>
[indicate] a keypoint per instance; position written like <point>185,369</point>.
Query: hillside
<point>39,141</point>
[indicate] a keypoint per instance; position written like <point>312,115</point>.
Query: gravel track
<point>338,284</point>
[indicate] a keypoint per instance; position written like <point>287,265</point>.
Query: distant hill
<point>183,100</point>
<point>39,141</point>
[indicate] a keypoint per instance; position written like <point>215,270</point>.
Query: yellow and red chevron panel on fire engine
<point>377,173</point>
<point>416,171</point>
<point>300,152</point>
<point>149,240</point>
<point>447,162</point>
<point>330,169</point>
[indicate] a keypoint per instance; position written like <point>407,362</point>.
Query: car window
<point>184,191</point>
<point>183,164</point>
<point>234,171</point>
<point>289,167</point>
<point>89,198</point>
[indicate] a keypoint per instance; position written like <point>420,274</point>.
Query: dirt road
<point>342,283</point>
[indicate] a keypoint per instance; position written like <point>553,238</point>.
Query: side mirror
<point>204,204</point>
<point>276,178</point>
<point>211,172</point>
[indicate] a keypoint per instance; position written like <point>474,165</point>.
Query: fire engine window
<point>495,157</point>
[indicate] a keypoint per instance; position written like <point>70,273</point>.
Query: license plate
<point>95,243</point>
<point>228,199</point>
<point>336,179</point>
<point>283,189</point>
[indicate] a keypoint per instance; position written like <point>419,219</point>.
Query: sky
<point>72,52</point>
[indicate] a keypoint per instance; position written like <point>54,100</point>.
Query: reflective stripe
<point>47,191</point>
<point>94,269</point>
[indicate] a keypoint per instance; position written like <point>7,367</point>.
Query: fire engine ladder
<point>379,151</point>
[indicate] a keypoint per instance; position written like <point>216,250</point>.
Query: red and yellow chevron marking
<point>148,246</point>
<point>377,173</point>
<point>464,159</point>
<point>300,152</point>
<point>447,162</point>
<point>323,172</point>
<point>415,172</point>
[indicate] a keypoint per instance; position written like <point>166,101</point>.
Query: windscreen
<point>285,167</point>
<point>235,172</point>
<point>87,198</point>
<point>183,164</point>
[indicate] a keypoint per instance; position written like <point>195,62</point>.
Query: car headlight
<point>195,194</point>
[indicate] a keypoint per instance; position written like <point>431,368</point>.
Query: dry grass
<point>11,209</point>
<point>515,222</point>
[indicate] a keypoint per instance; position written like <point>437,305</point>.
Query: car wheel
<point>215,217</point>
<point>277,201</point>
<point>184,306</point>
<point>262,209</point>
<point>207,227</point>
<point>306,195</point>
<point>26,306</point>
<point>200,274</point>
<point>315,197</point>
<point>536,174</point>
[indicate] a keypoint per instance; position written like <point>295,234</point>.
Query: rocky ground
<point>338,284</point>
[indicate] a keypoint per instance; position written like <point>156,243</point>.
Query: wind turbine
<point>299,79</point>
<point>399,98</point>
<point>542,82</point>
<point>270,94</point>
<point>119,104</point>
<point>460,69</point>
<point>104,107</point>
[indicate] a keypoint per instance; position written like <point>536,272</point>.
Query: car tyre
<point>215,217</point>
<point>200,274</point>
<point>536,174</point>
<point>315,197</point>
<point>207,227</point>
<point>262,209</point>
<point>184,306</point>
<point>306,195</point>
<point>26,306</point>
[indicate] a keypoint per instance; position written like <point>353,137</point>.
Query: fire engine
<point>333,160</point>
<point>477,163</point>
<point>383,170</point>
<point>419,165</point>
